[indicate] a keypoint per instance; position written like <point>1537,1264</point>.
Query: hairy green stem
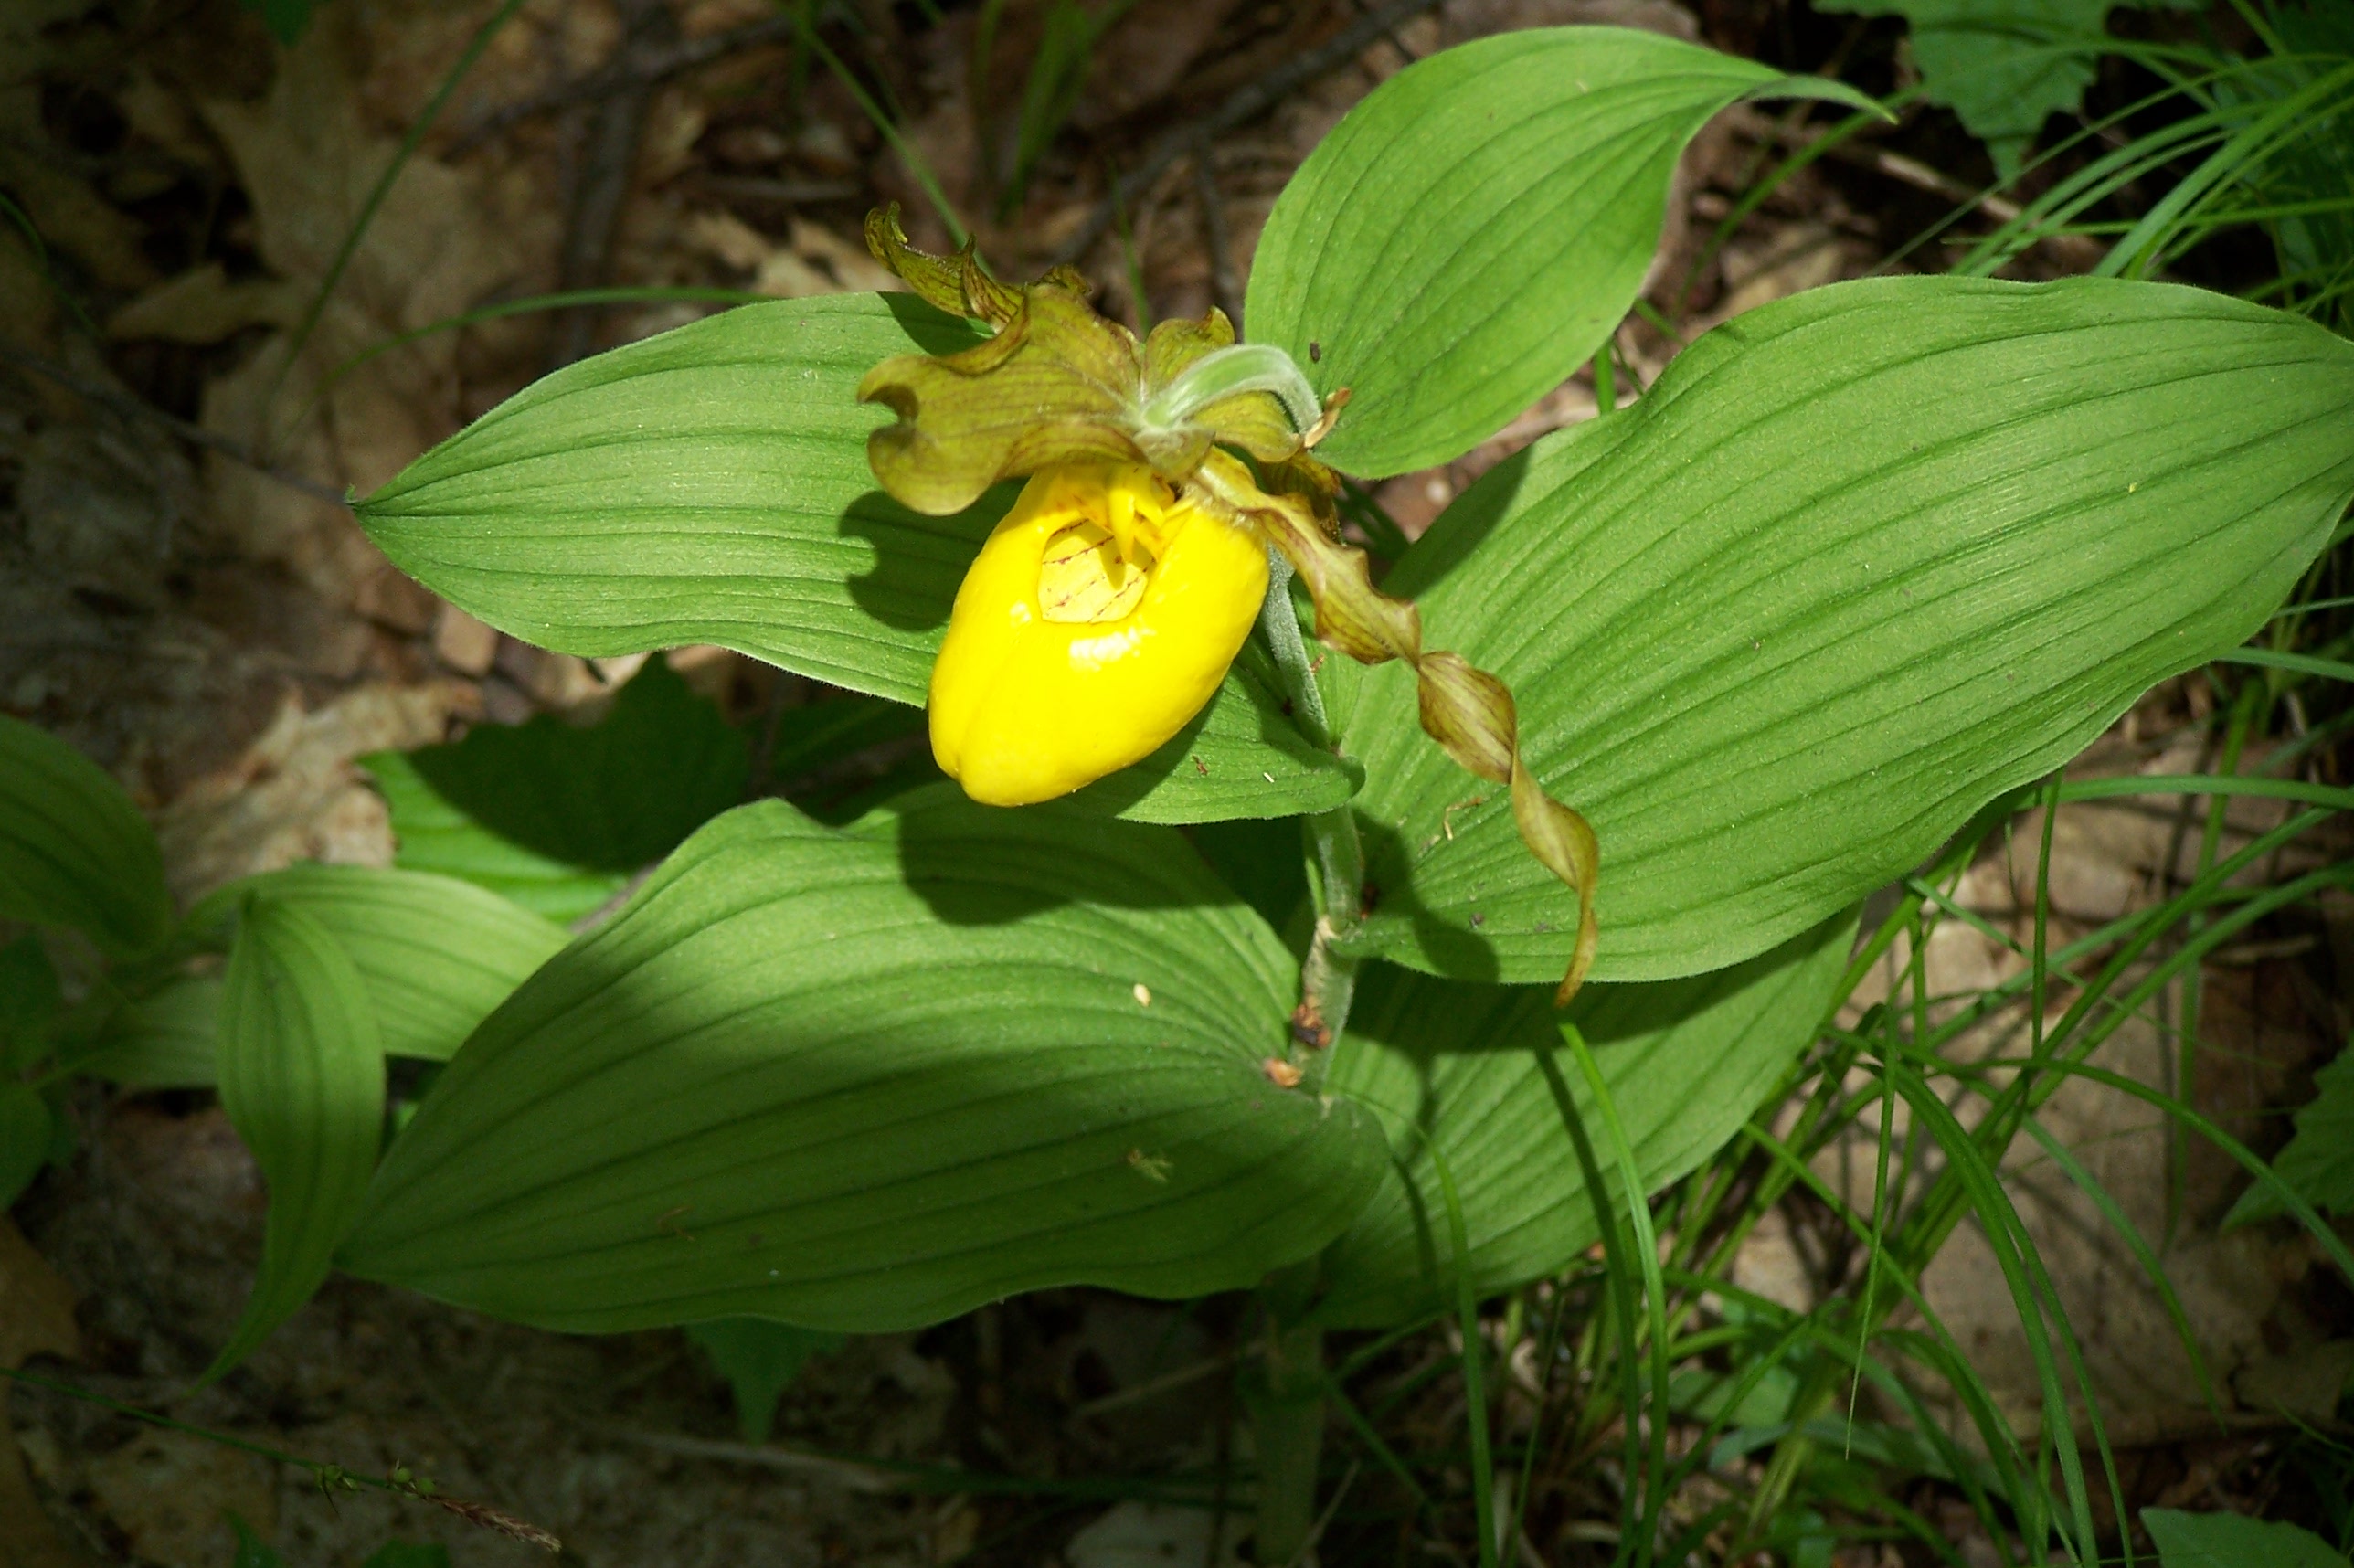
<point>1328,981</point>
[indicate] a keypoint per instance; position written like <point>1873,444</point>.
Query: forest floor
<point>184,599</point>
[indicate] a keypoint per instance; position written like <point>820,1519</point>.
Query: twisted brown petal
<point>1464,708</point>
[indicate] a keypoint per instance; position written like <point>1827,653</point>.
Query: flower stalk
<point>1328,980</point>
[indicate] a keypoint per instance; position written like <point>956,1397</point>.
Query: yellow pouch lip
<point>1025,709</point>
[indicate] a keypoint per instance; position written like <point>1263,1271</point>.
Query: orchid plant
<point>1203,967</point>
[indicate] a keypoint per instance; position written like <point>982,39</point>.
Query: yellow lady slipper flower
<point>1098,621</point>
<point>1103,611</point>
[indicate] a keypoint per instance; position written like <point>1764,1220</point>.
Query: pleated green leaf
<point>867,1078</point>
<point>711,485</point>
<point>555,816</point>
<point>1476,229</point>
<point>1469,1069</point>
<point>1862,561</point>
<point>166,1041</point>
<point>434,954</point>
<point>74,850</point>
<point>301,1077</point>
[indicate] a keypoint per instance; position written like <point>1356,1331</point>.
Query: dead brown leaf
<point>442,241</point>
<point>37,1318</point>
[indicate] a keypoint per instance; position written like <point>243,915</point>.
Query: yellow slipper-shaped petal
<point>1099,619</point>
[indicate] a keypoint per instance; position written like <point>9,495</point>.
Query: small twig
<point>1316,1531</point>
<point>126,406</point>
<point>646,66</point>
<point>317,304</point>
<point>1146,1390</point>
<point>784,193</point>
<point>1912,172</point>
<point>1245,103</point>
<point>844,1473</point>
<point>329,1478</point>
<point>1406,54</point>
<point>614,127</point>
<point>1225,290</point>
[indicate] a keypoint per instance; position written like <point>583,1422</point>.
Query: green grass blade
<point>1619,1281</point>
<point>317,306</point>
<point>2143,1252</point>
<point>1654,1292</point>
<point>2013,1251</point>
<point>1475,1356</point>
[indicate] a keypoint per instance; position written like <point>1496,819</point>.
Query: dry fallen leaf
<point>295,794</point>
<point>440,243</point>
<point>37,1318</point>
<point>203,306</point>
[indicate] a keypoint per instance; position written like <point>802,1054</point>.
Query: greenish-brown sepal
<point>1468,711</point>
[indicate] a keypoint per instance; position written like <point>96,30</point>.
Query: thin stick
<point>1225,290</point>
<point>312,312</point>
<point>129,408</point>
<point>326,1476</point>
<point>651,66</point>
<point>1245,103</point>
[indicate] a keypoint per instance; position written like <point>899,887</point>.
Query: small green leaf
<point>29,999</point>
<point>867,1078</point>
<point>74,850</point>
<point>1265,861</point>
<point>1473,231</point>
<point>760,1358</point>
<point>435,953</point>
<point>287,20</point>
<point>1862,561</point>
<point>2234,1541</point>
<point>711,485</point>
<point>432,833</point>
<point>821,734</point>
<point>252,1552</point>
<point>26,1137</point>
<point>301,1077</point>
<point>166,1041</point>
<point>2003,66</point>
<point>1463,1067</point>
<point>2319,1162</point>
<point>556,816</point>
<point>404,1554</point>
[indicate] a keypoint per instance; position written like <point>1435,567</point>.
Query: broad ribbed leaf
<point>166,1041</point>
<point>301,1077</point>
<point>555,816</point>
<point>1474,230</point>
<point>711,485</point>
<point>435,953</point>
<point>1862,561</point>
<point>867,1078</point>
<point>2234,1541</point>
<point>1464,1066</point>
<point>74,850</point>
